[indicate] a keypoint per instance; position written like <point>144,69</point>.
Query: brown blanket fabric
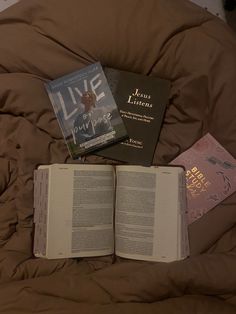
<point>44,39</point>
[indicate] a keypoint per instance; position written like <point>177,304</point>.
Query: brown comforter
<point>44,39</point>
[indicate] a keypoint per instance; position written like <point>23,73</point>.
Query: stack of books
<point>116,114</point>
<point>134,210</point>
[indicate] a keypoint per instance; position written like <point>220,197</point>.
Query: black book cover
<point>86,110</point>
<point>141,101</point>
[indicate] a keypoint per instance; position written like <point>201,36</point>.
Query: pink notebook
<point>210,175</point>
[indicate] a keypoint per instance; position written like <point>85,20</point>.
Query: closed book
<point>141,101</point>
<point>210,175</point>
<point>86,110</point>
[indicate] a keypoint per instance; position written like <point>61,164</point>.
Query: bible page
<point>81,211</point>
<point>147,213</point>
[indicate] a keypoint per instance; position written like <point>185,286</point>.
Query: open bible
<point>94,210</point>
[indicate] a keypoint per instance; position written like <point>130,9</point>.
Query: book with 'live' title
<point>86,110</point>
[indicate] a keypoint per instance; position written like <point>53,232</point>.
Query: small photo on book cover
<point>86,110</point>
<point>210,175</point>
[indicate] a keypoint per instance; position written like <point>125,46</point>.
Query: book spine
<point>183,212</point>
<point>41,202</point>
